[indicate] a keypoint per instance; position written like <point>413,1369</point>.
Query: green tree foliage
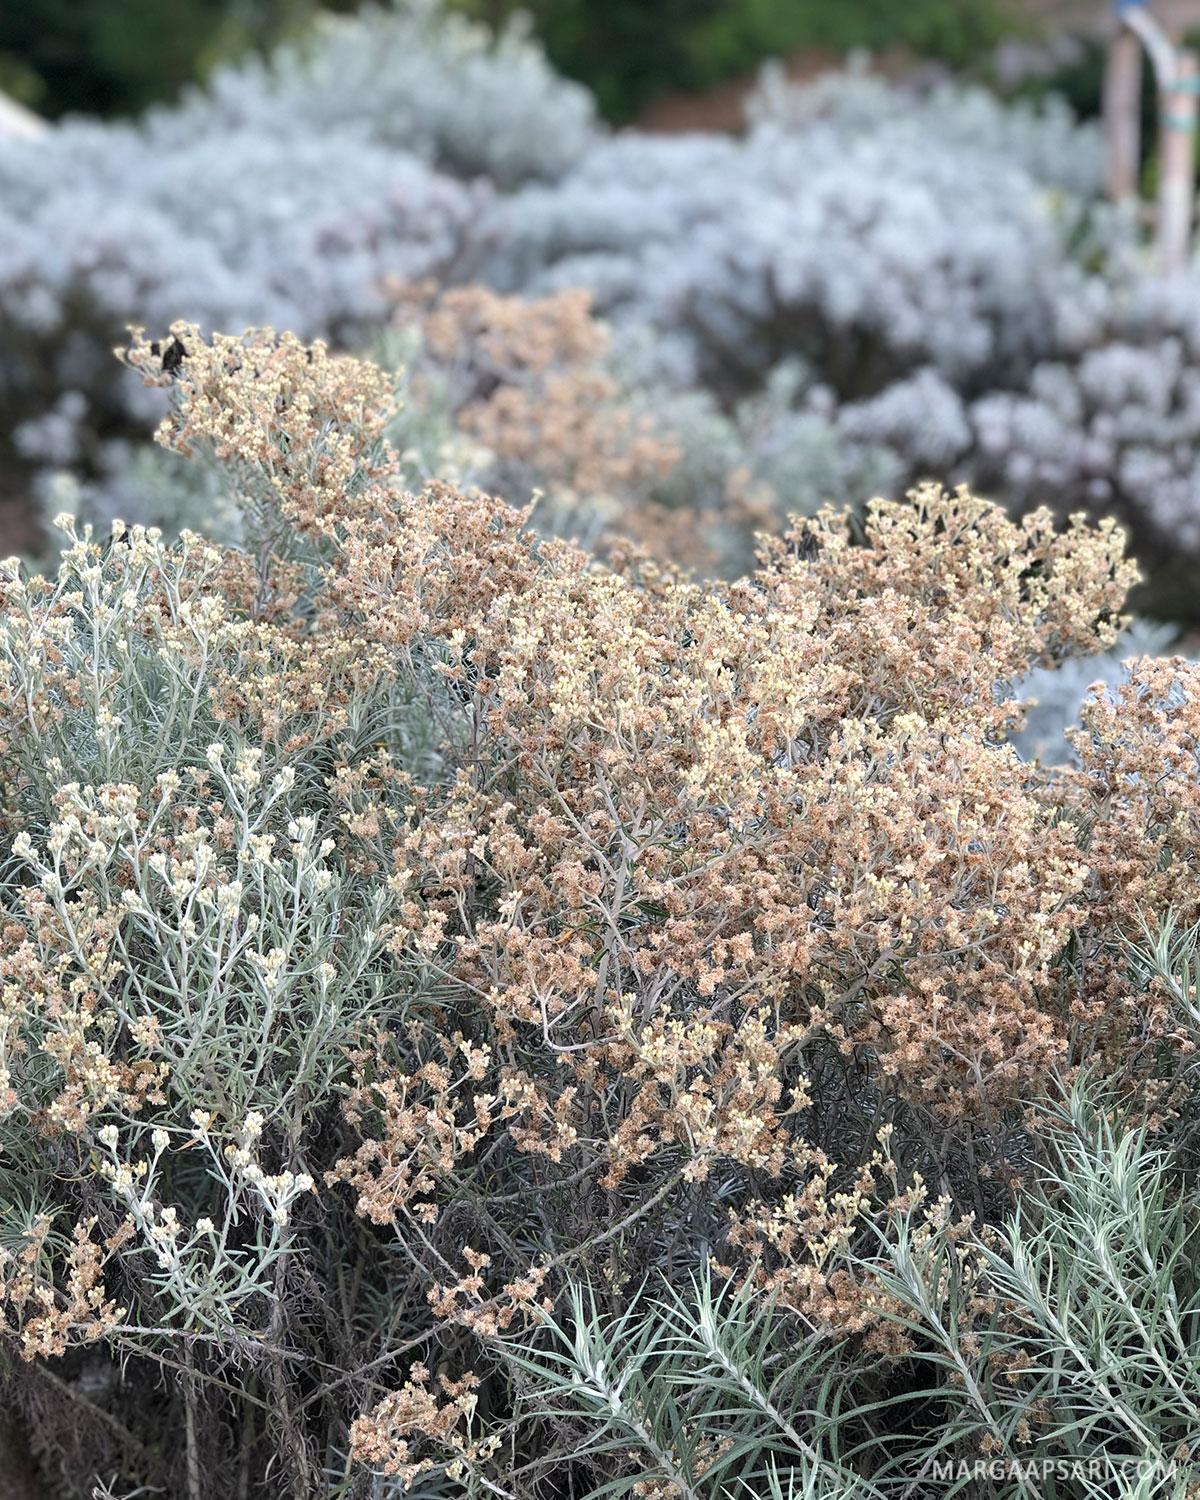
<point>630,50</point>
<point>118,56</point>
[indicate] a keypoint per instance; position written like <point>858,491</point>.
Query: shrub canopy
<point>406,891</point>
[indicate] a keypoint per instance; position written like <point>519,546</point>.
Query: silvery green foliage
<point>1047,142</point>
<point>716,1395</point>
<point>257,988</point>
<point>1059,692</point>
<point>410,77</point>
<point>1097,1277</point>
<point>870,232</point>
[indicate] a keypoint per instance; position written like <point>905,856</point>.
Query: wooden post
<point>1177,164</point>
<point>1123,115</point>
<point>1177,72</point>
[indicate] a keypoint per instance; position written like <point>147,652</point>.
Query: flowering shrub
<point>516,396</point>
<point>521,396</point>
<point>1055,696</point>
<point>526,397</point>
<point>404,913</point>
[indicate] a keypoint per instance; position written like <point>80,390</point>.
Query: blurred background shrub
<point>113,57</point>
<point>875,282</point>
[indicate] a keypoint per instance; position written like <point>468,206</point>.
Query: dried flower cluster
<point>409,892</point>
<point>528,389</point>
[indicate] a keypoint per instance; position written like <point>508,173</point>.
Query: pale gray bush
<point>869,232</point>
<point>281,196</point>
<point>410,77</point>
<point>1046,141</point>
<point>1114,423</point>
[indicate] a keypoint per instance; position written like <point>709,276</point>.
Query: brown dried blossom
<point>678,837</point>
<point>786,794</point>
<point>538,395</point>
